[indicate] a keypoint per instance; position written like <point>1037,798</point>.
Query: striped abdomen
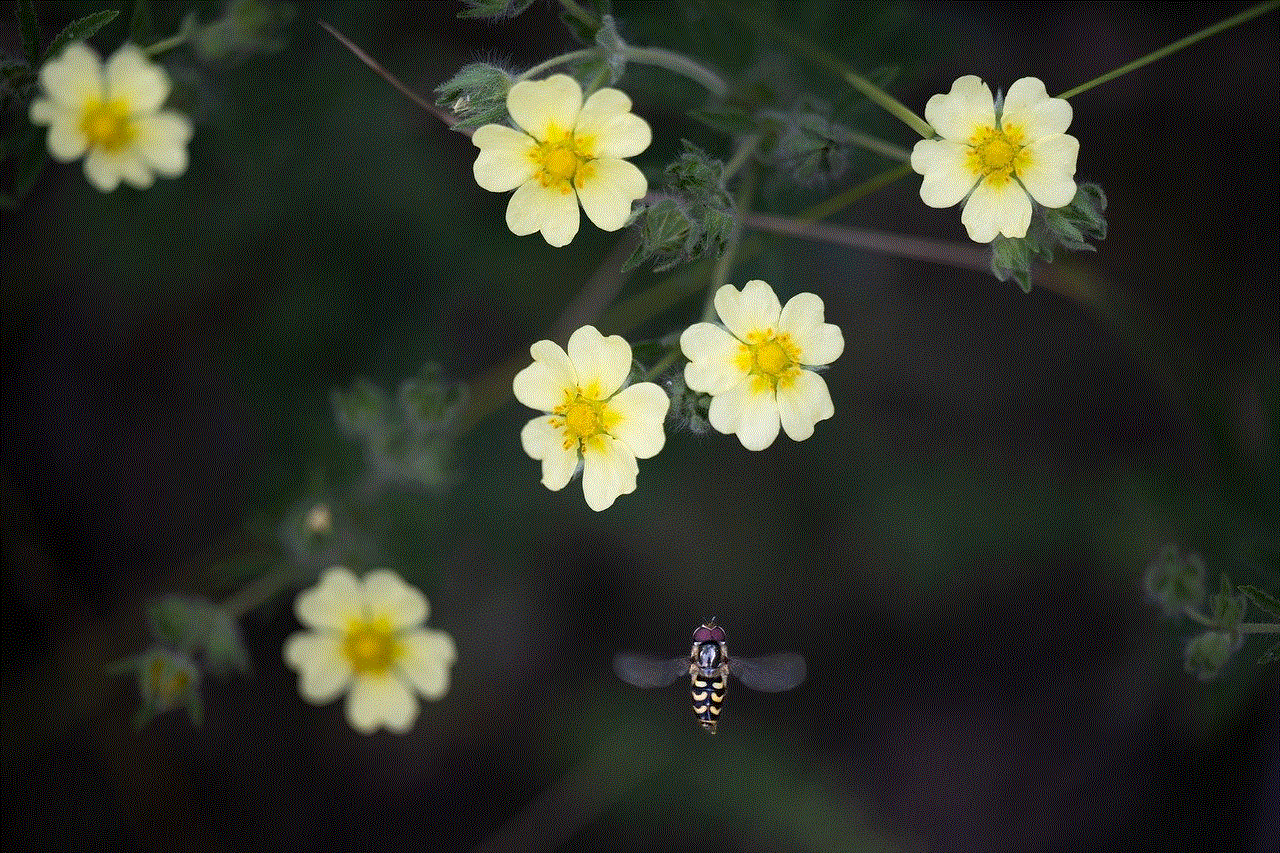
<point>708,697</point>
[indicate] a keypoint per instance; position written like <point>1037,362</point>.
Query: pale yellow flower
<point>367,640</point>
<point>591,419</point>
<point>756,372</point>
<point>112,116</point>
<point>563,153</point>
<point>997,164</point>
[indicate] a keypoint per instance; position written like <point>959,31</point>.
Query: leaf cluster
<point>477,95</point>
<point>695,217</point>
<point>1070,227</point>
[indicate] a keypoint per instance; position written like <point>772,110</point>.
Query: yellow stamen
<point>997,154</point>
<point>370,645</point>
<point>562,159</point>
<point>583,418</point>
<point>771,358</point>
<point>106,124</point>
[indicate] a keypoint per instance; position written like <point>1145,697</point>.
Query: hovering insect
<point>708,667</point>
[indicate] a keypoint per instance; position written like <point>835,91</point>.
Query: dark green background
<point>958,552</point>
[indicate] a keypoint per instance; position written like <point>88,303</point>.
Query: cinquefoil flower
<point>756,371</point>
<point>1000,162</point>
<point>591,419</point>
<point>565,152</point>
<point>113,113</point>
<point>367,640</point>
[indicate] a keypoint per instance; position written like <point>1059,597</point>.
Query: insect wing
<point>646,671</point>
<point>771,673</point>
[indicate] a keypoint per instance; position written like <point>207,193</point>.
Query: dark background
<point>958,553</point>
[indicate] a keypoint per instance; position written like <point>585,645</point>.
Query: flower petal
<point>803,402</point>
<point>74,78</point>
<point>551,210</point>
<point>545,443</point>
<point>750,410</point>
<point>711,351</point>
<point>990,211</point>
<point>960,112</point>
<point>1050,170</point>
<point>542,385</point>
<point>947,178</point>
<point>503,162</point>
<point>541,107</point>
<point>381,701</point>
<point>602,364</point>
<point>1028,107</point>
<point>609,128</point>
<point>802,319</point>
<point>606,187</point>
<point>324,672</point>
<point>386,594</point>
<point>136,80</point>
<point>102,170</point>
<point>640,409</point>
<point>608,470</point>
<point>755,308</point>
<point>66,140</point>
<point>338,598</point>
<point>162,142</point>
<point>427,657</point>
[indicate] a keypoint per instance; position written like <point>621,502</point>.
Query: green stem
<point>1234,20</point>
<point>678,63</point>
<point>259,591</point>
<point>580,13</point>
<point>170,43</point>
<point>879,146</point>
<point>746,147</point>
<point>1243,628</point>
<point>720,274</point>
<point>663,363</point>
<point>819,55</point>
<point>841,201</point>
<point>571,56</point>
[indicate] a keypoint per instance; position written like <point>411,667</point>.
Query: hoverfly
<point>708,666</point>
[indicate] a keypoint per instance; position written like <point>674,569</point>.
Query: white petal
<point>608,470</point>
<point>755,308</point>
<point>749,410</point>
<point>381,701</point>
<point>1028,107</point>
<point>44,111</point>
<point>802,319</point>
<point>541,385</point>
<point>386,594</point>
<point>426,661</point>
<point>711,352</point>
<point>641,409</point>
<point>324,672</point>
<point>136,80</point>
<point>946,177</point>
<point>546,443</point>
<point>66,140</point>
<point>541,106</point>
<point>550,210</point>
<point>967,107</point>
<point>602,364</point>
<point>1050,170</point>
<point>74,77</point>
<point>606,187</point>
<point>331,604</point>
<point>162,142</point>
<point>803,402</point>
<point>608,125</point>
<point>503,162</point>
<point>102,170</point>
<point>990,211</point>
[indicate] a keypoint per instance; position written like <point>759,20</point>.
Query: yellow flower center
<point>370,645</point>
<point>106,124</point>
<point>563,159</point>
<point>771,358</point>
<point>168,686</point>
<point>997,154</point>
<point>583,417</point>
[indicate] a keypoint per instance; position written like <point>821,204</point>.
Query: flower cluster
<point>112,116</point>
<point>366,639</point>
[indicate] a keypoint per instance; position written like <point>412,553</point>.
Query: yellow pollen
<point>996,154</point>
<point>370,646</point>
<point>106,124</point>
<point>562,157</point>
<point>582,417</point>
<point>771,357</point>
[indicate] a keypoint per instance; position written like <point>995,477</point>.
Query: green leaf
<point>477,95</point>
<point>1011,259</point>
<point>1175,580</point>
<point>1271,655</point>
<point>1070,227</point>
<point>1263,600</point>
<point>30,28</point>
<point>1228,608</point>
<point>79,30</point>
<point>1206,654</point>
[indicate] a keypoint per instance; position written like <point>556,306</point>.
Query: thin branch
<point>895,245</point>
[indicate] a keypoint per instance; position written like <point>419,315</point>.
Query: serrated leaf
<point>30,28</point>
<point>1263,600</point>
<point>79,30</point>
<point>1271,655</point>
